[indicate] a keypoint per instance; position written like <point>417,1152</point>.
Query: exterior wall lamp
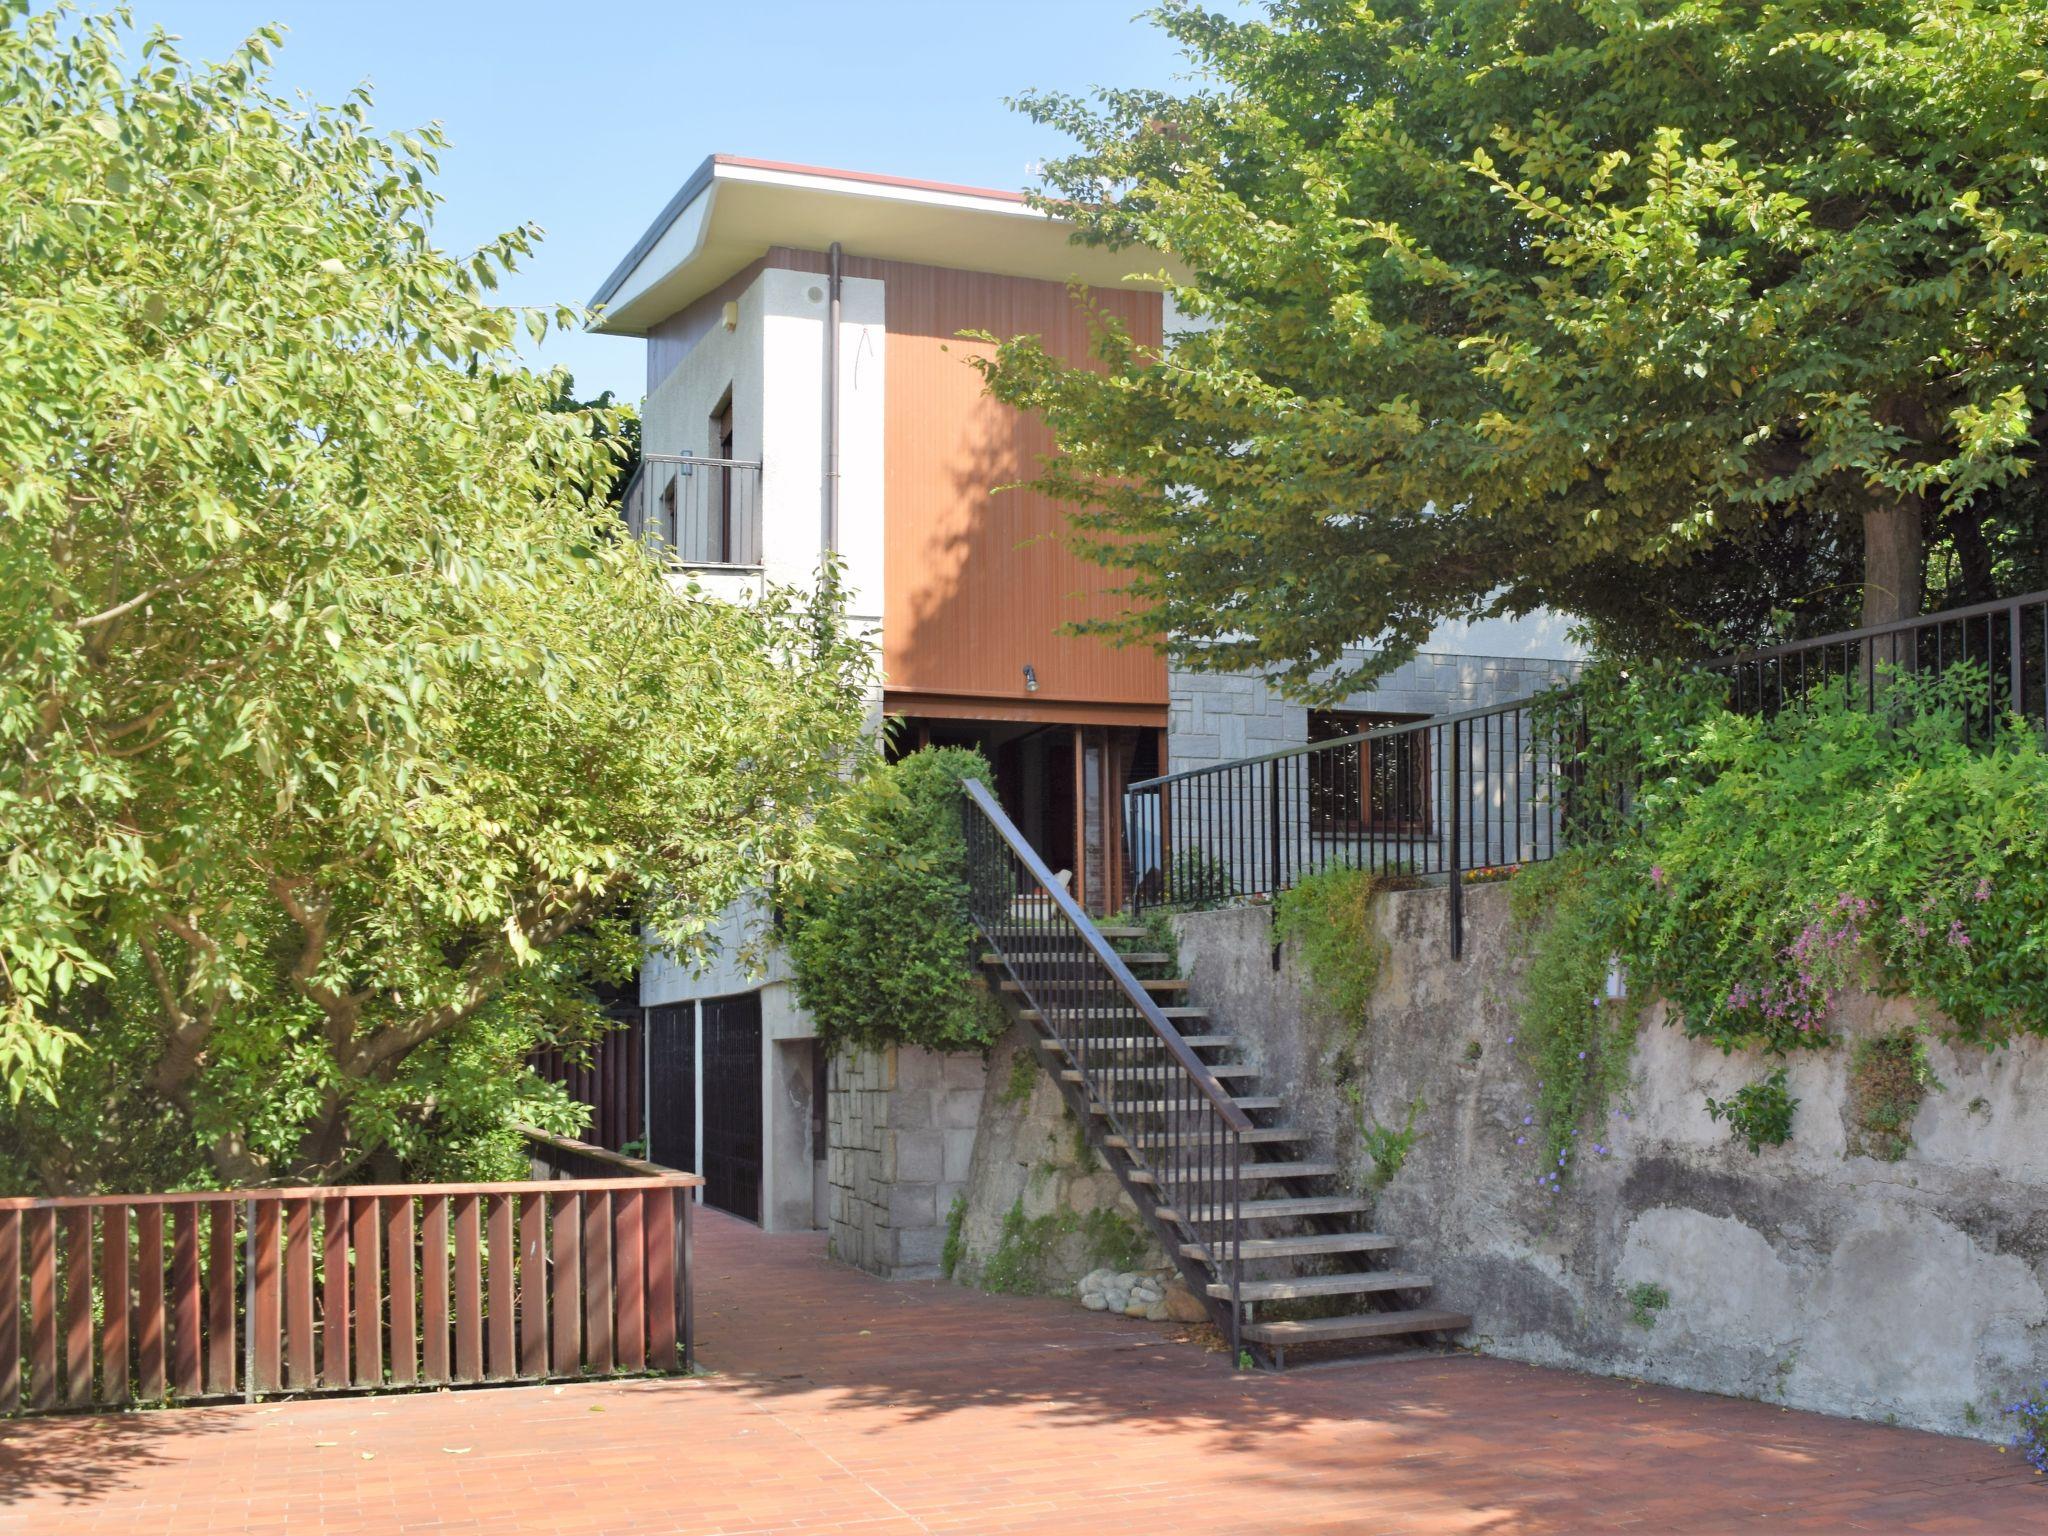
<point>1030,678</point>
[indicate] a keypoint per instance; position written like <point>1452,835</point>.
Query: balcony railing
<point>701,511</point>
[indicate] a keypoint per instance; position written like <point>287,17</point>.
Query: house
<point>809,390</point>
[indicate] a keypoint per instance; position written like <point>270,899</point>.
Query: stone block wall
<point>900,1131</point>
<point>1215,718</point>
<point>1808,1275</point>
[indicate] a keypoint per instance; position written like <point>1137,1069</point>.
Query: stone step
<point>1171,1106</point>
<point>1129,957</point>
<point>1301,1287</point>
<point>1364,1325</point>
<point>1122,931</point>
<point>1171,1011</point>
<point>1306,1246</point>
<point>1142,1042</point>
<point>1141,1085</point>
<point>1149,983</point>
<point>1270,1171</point>
<point>1272,1210</point>
<point>1258,1134</point>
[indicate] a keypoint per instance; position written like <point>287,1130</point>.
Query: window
<point>721,448</point>
<point>1370,786</point>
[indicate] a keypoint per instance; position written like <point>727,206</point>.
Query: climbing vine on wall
<point>1329,916</point>
<point>1758,868</point>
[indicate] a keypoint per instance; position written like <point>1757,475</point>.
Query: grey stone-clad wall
<point>1216,717</point>
<point>1808,1274</point>
<point>901,1124</point>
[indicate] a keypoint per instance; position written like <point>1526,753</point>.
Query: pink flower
<point>1657,876</point>
<point>1983,891</point>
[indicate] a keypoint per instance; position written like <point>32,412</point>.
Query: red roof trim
<point>870,177</point>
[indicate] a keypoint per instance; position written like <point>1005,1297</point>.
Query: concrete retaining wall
<point>1806,1275</point>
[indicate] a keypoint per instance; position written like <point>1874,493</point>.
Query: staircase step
<point>1140,1042</point>
<point>1267,1210</point>
<point>1301,1287</point>
<point>1364,1325</point>
<point>1129,957</point>
<point>1162,1106</point>
<point>1290,1171</point>
<point>1258,1134</point>
<point>1170,1010</point>
<point>1122,931</point>
<point>1142,1086</point>
<point>1149,983</point>
<point>1256,1248</point>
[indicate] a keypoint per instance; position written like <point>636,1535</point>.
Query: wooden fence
<point>363,1287</point>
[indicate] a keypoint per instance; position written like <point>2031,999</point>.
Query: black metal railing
<point>702,511</point>
<point>1431,800</point>
<point>1439,799</point>
<point>1177,1121</point>
<point>2007,640</point>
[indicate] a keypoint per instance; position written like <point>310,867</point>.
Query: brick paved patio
<point>846,1405</point>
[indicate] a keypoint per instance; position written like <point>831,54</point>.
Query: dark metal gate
<point>730,1068</point>
<point>732,1104</point>
<point>672,1086</point>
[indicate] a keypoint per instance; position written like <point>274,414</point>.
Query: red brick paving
<point>845,1405</point>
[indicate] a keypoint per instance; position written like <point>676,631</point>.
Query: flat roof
<point>731,209</point>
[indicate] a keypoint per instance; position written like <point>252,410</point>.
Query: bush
<point>1888,1077</point>
<point>1759,1113</point>
<point>1329,914</point>
<point>880,940</point>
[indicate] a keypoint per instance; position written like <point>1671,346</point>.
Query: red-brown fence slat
<point>78,1298</point>
<point>301,1339</point>
<point>266,1297</point>
<point>504,1264</point>
<point>334,1329</point>
<point>629,1255</point>
<point>152,1323</point>
<point>398,1256</point>
<point>366,1289</point>
<point>564,1280</point>
<point>10,1311</point>
<point>533,1285</point>
<point>469,1290</point>
<point>186,1380</point>
<point>220,1297</point>
<point>434,1286</point>
<point>42,1310</point>
<point>661,1279</point>
<point>597,1281</point>
<point>114,1307</point>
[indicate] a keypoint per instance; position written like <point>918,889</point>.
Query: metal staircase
<point>1282,1256</point>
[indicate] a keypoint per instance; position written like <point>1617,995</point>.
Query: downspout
<point>831,529</point>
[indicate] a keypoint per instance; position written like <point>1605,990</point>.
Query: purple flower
<point>1657,876</point>
<point>1983,891</point>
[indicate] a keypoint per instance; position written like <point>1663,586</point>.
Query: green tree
<point>343,736</point>
<point>1617,308</point>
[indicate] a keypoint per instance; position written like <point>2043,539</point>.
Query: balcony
<point>704,512</point>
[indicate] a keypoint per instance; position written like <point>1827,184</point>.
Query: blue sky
<point>586,118</point>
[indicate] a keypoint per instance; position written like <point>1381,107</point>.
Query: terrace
<point>814,1413</point>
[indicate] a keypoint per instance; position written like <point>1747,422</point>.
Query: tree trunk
<point>1894,560</point>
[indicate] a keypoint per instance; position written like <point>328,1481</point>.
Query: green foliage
<point>1196,882</point>
<point>1028,1246</point>
<point>1023,1078</point>
<point>1329,915</point>
<point>1769,863</point>
<point>879,940</point>
<point>1653,313</point>
<point>1759,1114</point>
<point>1645,1300</point>
<point>1389,1148</point>
<point>950,1254</point>
<point>1888,1077</point>
<point>342,738</point>
<point>1577,1045</point>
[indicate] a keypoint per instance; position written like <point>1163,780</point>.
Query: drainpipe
<point>831,529</point>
